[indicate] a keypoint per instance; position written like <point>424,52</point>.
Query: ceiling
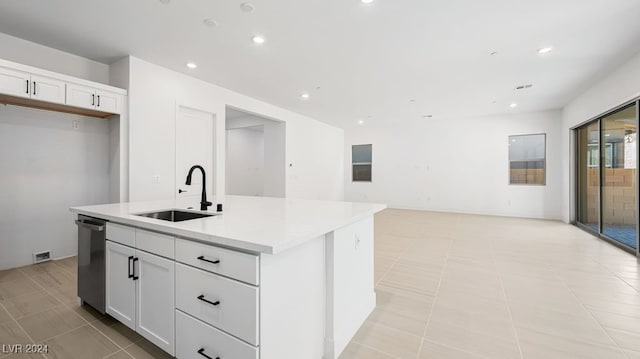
<point>390,61</point>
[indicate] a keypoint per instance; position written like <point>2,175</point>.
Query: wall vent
<point>41,256</point>
<point>522,87</point>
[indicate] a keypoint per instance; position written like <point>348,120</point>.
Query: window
<point>527,159</point>
<point>361,163</point>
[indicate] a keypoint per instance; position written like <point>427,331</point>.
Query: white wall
<point>275,161</point>
<point>613,90</point>
<point>245,157</point>
<point>30,53</point>
<point>314,149</point>
<point>47,167</point>
<point>456,164</point>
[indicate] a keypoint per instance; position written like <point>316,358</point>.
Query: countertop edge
<point>241,244</point>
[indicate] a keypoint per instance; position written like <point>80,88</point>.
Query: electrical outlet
<point>75,125</point>
<point>155,179</point>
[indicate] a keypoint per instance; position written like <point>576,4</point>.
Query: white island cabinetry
<point>268,279</point>
<point>140,287</point>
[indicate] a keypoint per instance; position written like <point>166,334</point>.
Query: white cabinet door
<point>156,301</point>
<point>14,83</point>
<point>81,96</point>
<point>194,146</point>
<point>108,101</point>
<point>48,89</point>
<point>121,287</point>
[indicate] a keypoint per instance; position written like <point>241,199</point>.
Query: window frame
<point>370,164</point>
<point>544,166</point>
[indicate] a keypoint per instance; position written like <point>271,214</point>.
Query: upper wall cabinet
<point>92,98</point>
<point>24,84</point>
<point>32,87</point>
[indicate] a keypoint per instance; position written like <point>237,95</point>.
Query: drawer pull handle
<point>202,258</point>
<point>201,352</point>
<point>201,297</point>
<point>135,277</point>
<point>130,272</point>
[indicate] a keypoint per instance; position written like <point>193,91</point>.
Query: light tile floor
<point>38,304</point>
<point>468,286</point>
<point>448,286</point>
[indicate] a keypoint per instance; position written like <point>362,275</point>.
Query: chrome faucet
<point>203,200</point>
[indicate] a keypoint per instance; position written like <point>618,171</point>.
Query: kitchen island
<point>266,278</point>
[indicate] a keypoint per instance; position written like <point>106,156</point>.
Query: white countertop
<point>256,224</point>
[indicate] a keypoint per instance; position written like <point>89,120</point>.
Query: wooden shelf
<point>26,102</point>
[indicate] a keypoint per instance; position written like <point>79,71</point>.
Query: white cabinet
<point>140,293</point>
<point>197,340</point>
<point>155,310</point>
<point>222,302</point>
<point>121,288</point>
<point>94,99</point>
<point>23,84</point>
<point>14,82</point>
<point>47,89</point>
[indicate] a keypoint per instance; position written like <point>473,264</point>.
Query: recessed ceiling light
<point>191,65</point>
<point>210,22</point>
<point>164,2</point>
<point>361,122</point>
<point>247,7</point>
<point>513,105</point>
<point>545,50</point>
<point>412,100</point>
<point>258,39</point>
<point>366,1</point>
<point>305,96</point>
<point>607,135</point>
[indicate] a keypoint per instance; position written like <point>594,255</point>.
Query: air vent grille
<point>522,87</point>
<point>41,257</point>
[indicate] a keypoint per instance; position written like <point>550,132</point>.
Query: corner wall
<point>47,167</point>
<point>314,150</point>
<point>618,87</point>
<point>457,165</point>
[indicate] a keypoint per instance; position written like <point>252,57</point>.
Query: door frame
<point>218,153</point>
<point>576,201</point>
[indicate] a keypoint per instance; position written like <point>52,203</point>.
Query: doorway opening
<point>255,155</point>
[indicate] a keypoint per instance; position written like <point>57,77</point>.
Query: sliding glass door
<point>606,176</point>
<point>588,140</point>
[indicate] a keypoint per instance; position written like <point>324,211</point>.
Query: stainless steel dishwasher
<point>91,261</point>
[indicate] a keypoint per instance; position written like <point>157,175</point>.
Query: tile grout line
<point>20,326</point>
<point>582,305</point>
<point>390,266</point>
<point>435,297</point>
<point>375,349</point>
<point>69,308</point>
<point>506,300</point>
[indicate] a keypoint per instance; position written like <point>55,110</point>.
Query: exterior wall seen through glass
<point>527,159</point>
<point>361,161</point>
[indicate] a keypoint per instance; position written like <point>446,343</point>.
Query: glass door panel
<point>588,174</point>
<point>619,146</point>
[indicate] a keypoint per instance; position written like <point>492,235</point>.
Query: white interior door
<point>194,146</point>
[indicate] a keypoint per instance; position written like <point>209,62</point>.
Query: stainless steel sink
<point>175,215</point>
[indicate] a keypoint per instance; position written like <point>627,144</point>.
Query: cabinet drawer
<point>160,244</point>
<point>222,302</point>
<point>237,265</point>
<point>194,338</point>
<point>121,234</point>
